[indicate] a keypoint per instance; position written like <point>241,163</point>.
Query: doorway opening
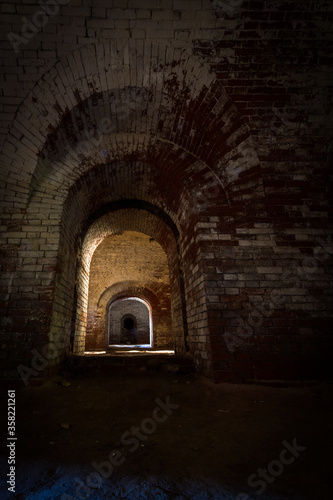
<point>129,329</point>
<point>119,259</point>
<point>129,323</point>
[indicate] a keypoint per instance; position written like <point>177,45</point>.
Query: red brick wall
<point>215,117</point>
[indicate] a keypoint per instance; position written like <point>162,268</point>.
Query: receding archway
<point>129,323</point>
<point>136,251</point>
<point>160,154</point>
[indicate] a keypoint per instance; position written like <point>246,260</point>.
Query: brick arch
<point>126,288</point>
<point>172,101</point>
<point>117,218</point>
<point>112,183</point>
<point>199,152</point>
<point>140,316</point>
<point>124,216</point>
<point>161,314</point>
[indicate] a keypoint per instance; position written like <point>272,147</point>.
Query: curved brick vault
<point>158,301</point>
<point>140,136</point>
<point>107,124</point>
<point>106,102</point>
<point>111,252</point>
<point>128,256</point>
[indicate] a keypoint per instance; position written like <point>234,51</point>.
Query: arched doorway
<point>129,329</point>
<point>130,252</point>
<point>185,176</point>
<point>129,323</point>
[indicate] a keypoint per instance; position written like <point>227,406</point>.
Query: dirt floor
<point>149,434</point>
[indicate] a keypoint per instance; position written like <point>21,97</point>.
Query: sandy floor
<point>169,436</point>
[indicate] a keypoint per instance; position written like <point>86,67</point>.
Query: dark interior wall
<point>220,118</point>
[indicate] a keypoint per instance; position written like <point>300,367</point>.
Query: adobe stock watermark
<point>263,309</point>
<point>133,439</point>
<point>30,27</point>
<point>40,361</point>
<point>275,468</point>
<point>230,7</point>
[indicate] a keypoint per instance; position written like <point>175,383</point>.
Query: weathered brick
<point>240,154</point>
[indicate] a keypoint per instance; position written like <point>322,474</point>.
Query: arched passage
<point>146,238</point>
<point>158,304</point>
<point>124,107</point>
<point>158,137</point>
<point>123,259</point>
<point>129,322</point>
<point>171,124</point>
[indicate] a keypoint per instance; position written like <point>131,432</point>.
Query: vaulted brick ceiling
<point>171,115</point>
<point>215,118</point>
<point>129,257</point>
